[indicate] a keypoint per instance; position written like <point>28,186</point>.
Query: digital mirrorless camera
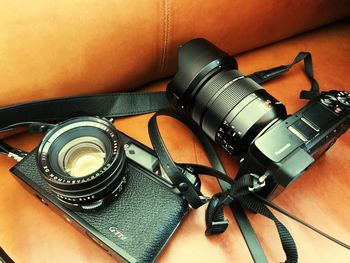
<point>107,185</point>
<point>241,116</point>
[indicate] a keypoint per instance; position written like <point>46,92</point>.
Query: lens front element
<point>82,156</point>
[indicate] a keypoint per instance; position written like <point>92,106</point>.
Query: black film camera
<point>80,168</point>
<point>236,112</point>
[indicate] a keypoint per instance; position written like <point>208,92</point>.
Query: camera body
<point>287,148</point>
<point>241,116</point>
<point>132,228</point>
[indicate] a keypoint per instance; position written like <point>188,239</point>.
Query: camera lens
<point>230,108</point>
<point>84,163</point>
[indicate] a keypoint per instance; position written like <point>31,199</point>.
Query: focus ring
<point>209,90</point>
<point>224,102</point>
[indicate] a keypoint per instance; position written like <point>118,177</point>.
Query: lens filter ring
<point>84,163</point>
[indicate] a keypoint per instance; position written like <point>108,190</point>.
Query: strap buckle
<point>11,152</point>
<point>258,182</point>
<point>17,154</point>
<point>217,227</point>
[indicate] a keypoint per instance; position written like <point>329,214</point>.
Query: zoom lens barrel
<point>230,108</point>
<point>84,163</point>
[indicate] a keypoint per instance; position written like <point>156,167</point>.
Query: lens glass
<point>83,159</point>
<point>82,156</point>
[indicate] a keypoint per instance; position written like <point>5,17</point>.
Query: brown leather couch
<point>53,49</point>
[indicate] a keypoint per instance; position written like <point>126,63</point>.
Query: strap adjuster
<point>258,182</point>
<point>11,152</point>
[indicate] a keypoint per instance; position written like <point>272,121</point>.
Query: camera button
<point>337,110</point>
<point>344,99</point>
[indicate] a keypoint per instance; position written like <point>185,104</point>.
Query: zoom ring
<point>225,102</point>
<point>208,91</point>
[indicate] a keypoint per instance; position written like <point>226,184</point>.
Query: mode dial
<point>344,98</point>
<point>329,100</point>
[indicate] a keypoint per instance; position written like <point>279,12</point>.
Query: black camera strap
<point>266,75</point>
<point>224,181</point>
<point>128,104</point>
<point>107,105</point>
<point>235,192</point>
<point>237,189</point>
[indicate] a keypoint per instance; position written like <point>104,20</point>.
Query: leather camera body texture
<point>133,228</point>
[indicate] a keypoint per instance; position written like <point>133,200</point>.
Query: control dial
<point>344,98</point>
<point>329,100</point>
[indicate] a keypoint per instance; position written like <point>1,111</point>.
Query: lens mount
<point>84,163</point>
